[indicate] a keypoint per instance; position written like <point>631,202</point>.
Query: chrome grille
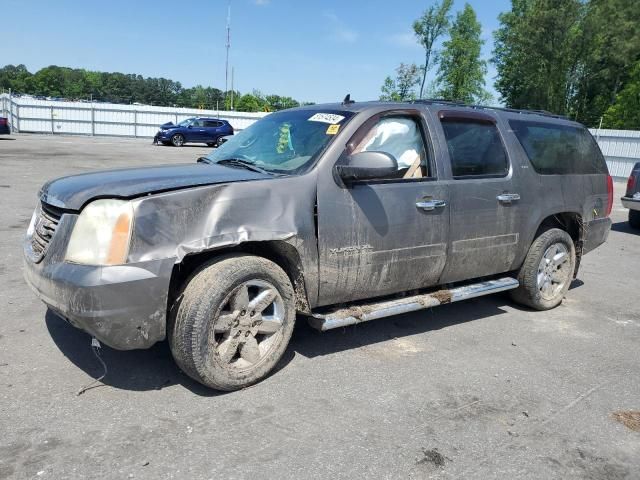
<point>47,219</point>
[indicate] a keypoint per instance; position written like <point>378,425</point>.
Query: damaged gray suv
<point>342,213</point>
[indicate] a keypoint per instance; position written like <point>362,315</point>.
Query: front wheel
<point>177,140</point>
<point>634,218</point>
<point>234,322</point>
<point>547,271</point>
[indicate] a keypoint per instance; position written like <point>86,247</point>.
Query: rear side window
<point>212,124</point>
<point>475,149</point>
<point>559,149</point>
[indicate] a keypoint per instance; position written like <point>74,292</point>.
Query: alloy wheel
<point>248,325</point>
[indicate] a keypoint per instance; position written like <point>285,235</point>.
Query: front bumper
<point>163,136</point>
<point>123,306</point>
<point>631,203</point>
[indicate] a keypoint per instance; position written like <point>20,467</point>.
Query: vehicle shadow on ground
<point>137,370</point>
<point>154,369</point>
<point>310,343</point>
<point>624,227</point>
<point>1,138</point>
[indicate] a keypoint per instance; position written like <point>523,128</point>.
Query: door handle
<point>508,197</point>
<point>429,205</point>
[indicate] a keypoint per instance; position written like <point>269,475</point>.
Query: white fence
<point>91,118</point>
<point>621,148</point>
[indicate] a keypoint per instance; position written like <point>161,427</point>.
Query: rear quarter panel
<point>584,195</point>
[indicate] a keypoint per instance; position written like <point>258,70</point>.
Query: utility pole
<point>228,45</point>
<point>231,88</point>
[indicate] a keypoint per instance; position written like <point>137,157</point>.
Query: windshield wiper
<point>237,162</point>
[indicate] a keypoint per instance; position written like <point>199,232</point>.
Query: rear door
<point>386,235</point>
<point>486,199</point>
<point>212,130</point>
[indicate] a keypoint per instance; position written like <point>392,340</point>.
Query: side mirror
<point>367,166</point>
<point>190,126</point>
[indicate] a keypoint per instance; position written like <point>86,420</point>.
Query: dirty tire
<point>177,140</point>
<point>634,218</point>
<point>529,292</point>
<point>215,298</point>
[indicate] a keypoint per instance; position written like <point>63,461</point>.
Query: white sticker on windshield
<point>330,118</point>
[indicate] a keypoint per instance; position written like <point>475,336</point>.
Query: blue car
<point>194,130</point>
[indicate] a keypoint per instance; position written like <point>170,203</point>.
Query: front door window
<point>400,137</point>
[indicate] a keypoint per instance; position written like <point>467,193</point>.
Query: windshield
<point>186,123</point>
<point>283,142</point>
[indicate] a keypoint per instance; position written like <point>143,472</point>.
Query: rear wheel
<point>634,218</point>
<point>547,271</point>
<point>212,144</point>
<point>177,140</point>
<point>234,322</point>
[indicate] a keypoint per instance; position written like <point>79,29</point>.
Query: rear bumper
<point>596,233</point>
<point>631,203</point>
<point>122,306</point>
<point>5,130</point>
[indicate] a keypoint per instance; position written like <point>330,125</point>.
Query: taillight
<point>609,195</point>
<point>631,184</point>
<point>3,121</point>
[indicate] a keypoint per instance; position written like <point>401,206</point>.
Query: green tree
<point>402,88</point>
<point>461,73</point>
<point>55,81</point>
<point>610,48</point>
<point>249,103</point>
<point>16,78</point>
<point>276,102</point>
<point>428,29</point>
<point>625,112</point>
<point>537,53</point>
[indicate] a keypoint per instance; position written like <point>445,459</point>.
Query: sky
<point>312,50</point>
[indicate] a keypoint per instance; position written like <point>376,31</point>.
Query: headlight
<point>102,233</point>
<point>32,223</point>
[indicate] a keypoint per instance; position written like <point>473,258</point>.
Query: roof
<point>437,103</point>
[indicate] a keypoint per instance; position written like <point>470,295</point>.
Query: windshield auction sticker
<point>330,118</point>
<point>333,129</point>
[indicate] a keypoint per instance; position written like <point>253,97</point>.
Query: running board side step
<point>372,311</point>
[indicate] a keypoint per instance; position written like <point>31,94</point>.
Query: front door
<point>197,132</point>
<point>486,204</point>
<point>386,235</point>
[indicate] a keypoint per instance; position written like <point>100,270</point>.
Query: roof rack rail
<point>439,101</point>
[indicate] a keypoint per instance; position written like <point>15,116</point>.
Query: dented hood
<point>74,192</point>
